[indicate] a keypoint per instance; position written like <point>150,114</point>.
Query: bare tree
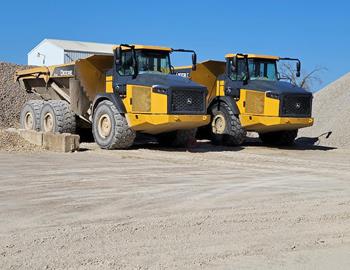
<point>307,80</point>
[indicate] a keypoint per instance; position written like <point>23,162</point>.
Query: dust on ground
<point>152,208</point>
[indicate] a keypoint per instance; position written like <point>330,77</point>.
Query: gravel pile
<point>331,111</point>
<point>12,97</point>
<point>11,141</point>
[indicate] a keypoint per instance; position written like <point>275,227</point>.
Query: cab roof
<point>271,57</point>
<point>146,47</point>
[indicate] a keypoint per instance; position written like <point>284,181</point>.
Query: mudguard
<point>116,100</point>
<point>224,99</point>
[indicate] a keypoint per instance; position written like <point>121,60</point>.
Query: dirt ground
<point>147,208</point>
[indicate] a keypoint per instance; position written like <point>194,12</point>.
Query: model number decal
<point>183,74</point>
<point>67,71</point>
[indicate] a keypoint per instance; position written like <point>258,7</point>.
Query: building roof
<point>79,46</point>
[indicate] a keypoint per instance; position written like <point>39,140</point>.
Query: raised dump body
<point>116,95</point>
<point>78,83</point>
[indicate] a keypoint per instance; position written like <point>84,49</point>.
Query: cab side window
<point>240,73</point>
<point>126,68</point>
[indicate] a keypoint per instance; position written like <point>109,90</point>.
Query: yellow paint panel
<point>128,98</point>
<point>159,103</point>
<point>220,88</point>
<point>272,107</point>
<point>159,123</point>
<point>258,123</point>
<point>109,87</point>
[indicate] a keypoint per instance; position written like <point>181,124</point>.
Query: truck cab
<point>246,92</point>
<point>132,90</point>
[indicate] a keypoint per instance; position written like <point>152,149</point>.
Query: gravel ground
<point>331,111</point>
<point>148,208</point>
<point>12,97</point>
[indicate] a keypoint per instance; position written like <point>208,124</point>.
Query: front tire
<point>279,138</point>
<point>110,128</point>
<point>226,128</point>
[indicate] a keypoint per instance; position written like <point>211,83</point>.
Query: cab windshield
<point>259,69</point>
<point>153,62</point>
<point>262,69</point>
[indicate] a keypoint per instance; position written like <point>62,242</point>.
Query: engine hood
<point>277,87</point>
<point>168,81</point>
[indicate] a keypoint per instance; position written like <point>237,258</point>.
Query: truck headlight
<point>159,89</point>
<point>272,95</point>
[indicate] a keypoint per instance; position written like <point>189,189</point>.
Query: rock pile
<point>11,141</point>
<point>12,97</point>
<point>331,110</point>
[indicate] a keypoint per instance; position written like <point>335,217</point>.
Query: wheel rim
<point>218,124</point>
<point>48,122</point>
<point>29,121</point>
<point>104,126</point>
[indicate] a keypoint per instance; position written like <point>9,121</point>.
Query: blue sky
<point>318,32</point>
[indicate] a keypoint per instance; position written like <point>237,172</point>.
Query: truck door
<point>123,72</point>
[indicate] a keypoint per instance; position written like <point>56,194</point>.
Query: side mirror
<point>298,69</point>
<point>118,55</point>
<point>194,61</point>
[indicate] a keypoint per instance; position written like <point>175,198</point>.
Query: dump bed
<point>207,73</point>
<point>77,82</point>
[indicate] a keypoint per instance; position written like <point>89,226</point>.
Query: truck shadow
<point>301,143</point>
<point>150,143</point>
<point>198,147</point>
<point>203,146</point>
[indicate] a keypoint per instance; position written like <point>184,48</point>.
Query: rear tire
<point>30,115</point>
<point>178,138</point>
<point>279,138</point>
<point>110,128</point>
<point>225,127</point>
<point>56,116</point>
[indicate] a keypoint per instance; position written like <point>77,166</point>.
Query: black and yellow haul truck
<point>132,90</point>
<point>247,94</point>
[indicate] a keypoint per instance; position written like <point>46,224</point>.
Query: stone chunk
<point>61,142</point>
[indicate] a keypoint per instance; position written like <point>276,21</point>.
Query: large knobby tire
<point>56,116</point>
<point>30,115</point>
<point>226,127</point>
<point>279,138</point>
<point>110,128</point>
<point>178,138</point>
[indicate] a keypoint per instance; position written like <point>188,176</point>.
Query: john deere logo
<point>189,101</point>
<point>298,106</point>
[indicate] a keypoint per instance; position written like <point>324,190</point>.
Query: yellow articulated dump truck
<point>247,94</point>
<point>132,90</point>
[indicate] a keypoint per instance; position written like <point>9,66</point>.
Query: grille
<point>296,106</point>
<point>187,101</point>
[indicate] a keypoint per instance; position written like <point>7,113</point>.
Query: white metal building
<point>55,52</point>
